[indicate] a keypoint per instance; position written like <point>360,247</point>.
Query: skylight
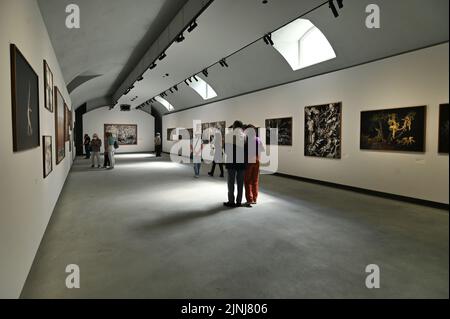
<point>203,88</point>
<point>302,44</point>
<point>165,103</point>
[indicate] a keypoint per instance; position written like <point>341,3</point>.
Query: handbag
<point>116,145</point>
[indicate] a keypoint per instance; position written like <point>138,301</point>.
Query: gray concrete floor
<point>149,230</point>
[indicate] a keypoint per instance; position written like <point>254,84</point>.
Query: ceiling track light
<point>187,83</point>
<point>333,8</point>
<point>224,63</point>
<point>180,38</point>
<point>176,88</point>
<point>195,78</point>
<point>152,66</point>
<point>192,26</point>
<point>268,39</point>
<point>340,3</point>
<point>190,80</point>
<point>205,72</point>
<point>171,91</point>
<point>162,56</point>
<point>140,78</point>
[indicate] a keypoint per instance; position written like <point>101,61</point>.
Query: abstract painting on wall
<point>443,128</point>
<point>171,134</point>
<point>400,129</point>
<point>60,123</point>
<point>323,130</point>
<point>47,144</point>
<point>25,102</point>
<point>125,134</point>
<point>48,88</point>
<point>284,126</point>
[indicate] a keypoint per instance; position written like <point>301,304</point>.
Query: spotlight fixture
<point>140,78</point>
<point>190,80</point>
<point>152,66</point>
<point>185,81</point>
<point>340,3</point>
<point>176,88</point>
<point>162,56</point>
<point>333,8</point>
<point>223,63</point>
<point>171,91</point>
<point>180,38</point>
<point>192,26</point>
<point>205,72</point>
<point>195,78</point>
<point>268,39</point>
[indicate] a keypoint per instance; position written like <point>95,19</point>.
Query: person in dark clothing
<point>87,146</point>
<point>217,145</point>
<point>158,144</point>
<point>235,149</point>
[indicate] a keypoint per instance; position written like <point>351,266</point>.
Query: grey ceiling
<point>226,26</point>
<point>113,37</point>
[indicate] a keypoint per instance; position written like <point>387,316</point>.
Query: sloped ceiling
<point>405,25</point>
<point>226,26</point>
<point>114,35</point>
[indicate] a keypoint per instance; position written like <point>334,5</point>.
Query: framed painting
<point>125,134</point>
<point>208,130</point>
<point>171,133</point>
<point>48,88</point>
<point>25,103</point>
<point>47,147</point>
<point>60,123</point>
<point>67,123</point>
<point>399,129</point>
<point>323,124</point>
<point>443,128</point>
<point>284,131</point>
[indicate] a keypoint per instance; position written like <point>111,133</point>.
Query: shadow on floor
<point>175,219</point>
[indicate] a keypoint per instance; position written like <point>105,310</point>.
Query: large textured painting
<point>323,130</point>
<point>284,126</point>
<point>47,155</point>
<point>48,87</point>
<point>125,134</point>
<point>25,102</point>
<point>60,124</point>
<point>401,129</point>
<point>443,128</point>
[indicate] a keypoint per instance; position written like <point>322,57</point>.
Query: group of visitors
<point>92,148</point>
<point>242,161</point>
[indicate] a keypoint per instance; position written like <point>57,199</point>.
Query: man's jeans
<point>235,176</point>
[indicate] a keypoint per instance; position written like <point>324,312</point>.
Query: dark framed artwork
<point>399,129</point>
<point>323,125</point>
<point>66,125</point>
<point>443,128</point>
<point>207,130</point>
<point>47,156</point>
<point>60,123</point>
<point>48,88</point>
<point>284,126</point>
<point>125,134</point>
<point>171,133</point>
<point>25,103</point>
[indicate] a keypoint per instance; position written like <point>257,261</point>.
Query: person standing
<point>87,146</point>
<point>217,144</point>
<point>196,151</point>
<point>110,144</point>
<point>235,164</point>
<point>158,144</point>
<point>251,178</point>
<point>96,145</point>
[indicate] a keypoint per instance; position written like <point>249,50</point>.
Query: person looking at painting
<point>87,146</point>
<point>217,145</point>
<point>235,164</point>
<point>110,147</point>
<point>196,151</point>
<point>158,144</point>
<point>251,178</point>
<point>96,145</point>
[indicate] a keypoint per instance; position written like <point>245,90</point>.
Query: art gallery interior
<point>357,91</point>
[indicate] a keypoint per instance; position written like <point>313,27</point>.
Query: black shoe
<point>222,176</point>
<point>211,174</point>
<point>238,205</point>
<point>228,204</point>
<point>92,166</point>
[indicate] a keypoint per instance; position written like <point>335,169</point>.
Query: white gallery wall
<point>94,121</point>
<point>27,199</point>
<point>412,79</point>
